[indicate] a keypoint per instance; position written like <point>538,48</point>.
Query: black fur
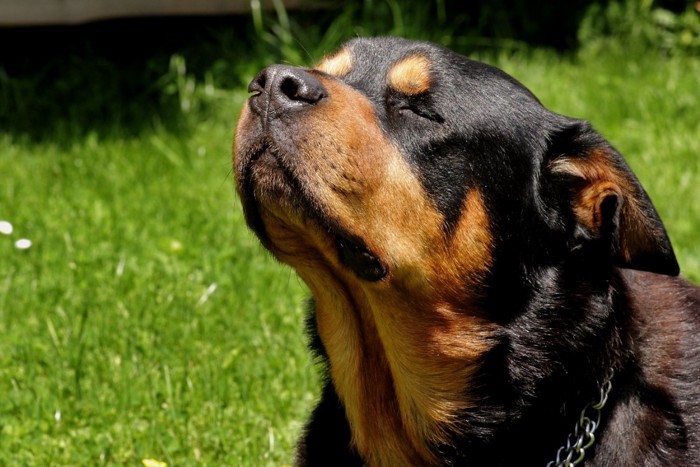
<point>569,305</point>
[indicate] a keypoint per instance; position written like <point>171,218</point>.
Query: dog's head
<point>413,189</point>
<point>401,161</point>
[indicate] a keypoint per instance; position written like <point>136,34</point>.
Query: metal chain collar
<point>583,436</point>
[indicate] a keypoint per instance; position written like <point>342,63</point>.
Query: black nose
<point>281,88</point>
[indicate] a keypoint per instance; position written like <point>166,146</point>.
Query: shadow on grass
<point>120,77</point>
<point>115,77</point>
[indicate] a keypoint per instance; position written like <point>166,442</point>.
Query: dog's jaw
<point>385,276</point>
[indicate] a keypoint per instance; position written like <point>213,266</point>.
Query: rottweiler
<point>491,283</point>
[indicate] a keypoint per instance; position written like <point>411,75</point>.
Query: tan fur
<point>467,256</point>
<point>402,350</point>
<point>339,64</point>
<point>589,202</point>
<point>601,179</point>
<point>410,76</point>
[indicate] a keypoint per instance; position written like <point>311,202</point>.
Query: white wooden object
<point>36,12</point>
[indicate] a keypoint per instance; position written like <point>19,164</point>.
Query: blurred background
<point>139,320</point>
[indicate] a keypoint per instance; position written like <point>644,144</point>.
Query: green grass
<point>146,322</point>
<point>144,313</point>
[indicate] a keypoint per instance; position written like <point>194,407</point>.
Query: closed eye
<point>408,109</point>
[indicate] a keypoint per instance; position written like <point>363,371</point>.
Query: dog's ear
<point>607,201</point>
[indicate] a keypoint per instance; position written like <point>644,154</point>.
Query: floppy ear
<point>608,202</point>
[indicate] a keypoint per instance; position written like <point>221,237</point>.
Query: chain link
<point>583,436</point>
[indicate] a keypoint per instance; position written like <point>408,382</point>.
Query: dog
<point>491,283</point>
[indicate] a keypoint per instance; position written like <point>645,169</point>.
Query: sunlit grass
<point>144,322</point>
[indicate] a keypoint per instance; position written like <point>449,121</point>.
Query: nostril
<point>284,88</point>
<point>261,81</point>
<point>290,88</point>
<point>298,85</point>
<point>258,83</point>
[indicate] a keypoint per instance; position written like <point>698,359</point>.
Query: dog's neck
<point>400,365</point>
<point>404,369</point>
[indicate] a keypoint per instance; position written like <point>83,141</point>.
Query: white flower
<point>5,228</point>
<point>23,243</point>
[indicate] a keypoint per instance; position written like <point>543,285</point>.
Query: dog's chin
<point>271,188</point>
<point>262,186</point>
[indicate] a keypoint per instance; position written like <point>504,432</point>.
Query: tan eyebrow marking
<point>411,75</point>
<point>339,64</point>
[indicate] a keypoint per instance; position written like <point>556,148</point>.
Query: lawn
<point>145,321</point>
